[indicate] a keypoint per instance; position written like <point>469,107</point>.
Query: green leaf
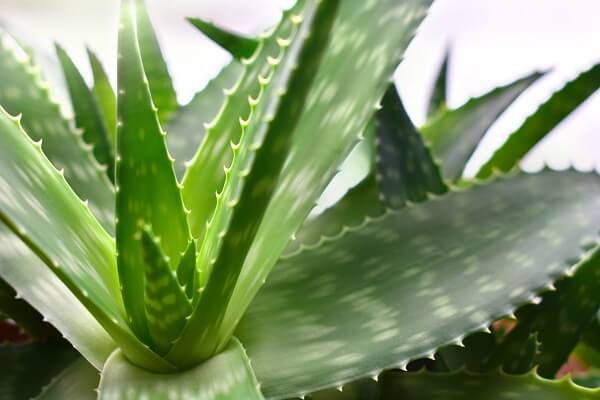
<point>37,204</point>
<point>186,268</point>
<point>405,170</point>
<point>453,135</point>
<point>87,113</point>
<point>438,100</point>
<point>147,189</point>
<point>398,287</point>
<point>205,175</point>
<point>36,283</point>
<point>251,180</point>
<point>187,127</point>
<point>238,46</point>
<point>17,309</point>
<point>105,96</point>
<point>78,381</point>
<point>166,304</point>
<point>155,67</point>
<point>227,376</point>
<point>23,92</point>
<point>338,108</point>
<point>492,386</point>
<point>27,368</point>
<point>559,321</point>
<point>543,121</point>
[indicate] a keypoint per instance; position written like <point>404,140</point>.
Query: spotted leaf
<point>395,288</point>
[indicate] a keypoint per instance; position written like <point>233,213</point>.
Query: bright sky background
<point>493,42</point>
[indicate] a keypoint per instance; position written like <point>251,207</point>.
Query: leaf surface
<point>439,97</point>
<point>77,381</point>
<point>339,311</point>
<point>237,45</point>
<point>105,96</point>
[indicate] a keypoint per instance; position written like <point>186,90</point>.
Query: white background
<point>492,43</point>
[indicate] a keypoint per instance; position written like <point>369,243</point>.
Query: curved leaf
<point>105,96</point>
<point>404,284</point>
<point>226,376</point>
<point>539,124</point>
<point>238,46</point>
<point>453,135</point>
<point>23,92</point>
<point>87,113</point>
<point>439,98</point>
<point>78,381</point>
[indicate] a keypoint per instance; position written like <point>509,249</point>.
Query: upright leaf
<point>400,286</point>
<point>155,67</point>
<point>543,121</point>
<point>147,189</point>
<point>238,46</point>
<point>87,114</point>
<point>226,376</point>
<point>105,96</point>
<point>23,92</point>
<point>405,169</point>
<point>188,125</point>
<point>438,99</point>
<point>453,135</point>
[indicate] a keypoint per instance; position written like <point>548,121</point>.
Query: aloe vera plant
<point>172,246</point>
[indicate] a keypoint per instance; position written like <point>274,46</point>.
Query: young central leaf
<point>166,304</point>
<point>147,190</point>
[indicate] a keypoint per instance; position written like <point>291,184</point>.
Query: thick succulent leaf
<point>367,41</point>
<point>227,376</point>
<point>105,96</point>
<point>453,135</point>
<point>186,268</point>
<point>238,46</point>
<point>405,170</point>
<point>187,127</point>
<point>36,283</point>
<point>77,381</point>
<point>252,178</point>
<point>361,201</point>
<point>23,92</point>
<point>205,174</point>
<point>492,386</point>
<point>17,309</point>
<point>166,303</point>
<point>338,311</point>
<point>28,367</point>
<point>87,113</point>
<point>38,205</point>
<point>543,121</point>
<point>155,67</point>
<point>558,321</point>
<point>439,98</point>
<point>147,189</point>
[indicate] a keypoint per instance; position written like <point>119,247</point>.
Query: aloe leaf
<point>335,107</point>
<point>453,135</point>
<point>187,126</point>
<point>237,45</point>
<point>17,309</point>
<point>252,178</point>
<point>143,165</point>
<point>166,304</point>
<point>227,376</point>
<point>23,91</point>
<point>37,284</point>
<point>155,67</point>
<point>491,386</point>
<point>77,381</point>
<point>39,207</point>
<point>559,321</point>
<point>405,169</point>
<point>438,100</point>
<point>87,113</point>
<point>105,96</point>
<point>205,175</point>
<point>28,367</point>
<point>338,311</point>
<point>186,268</point>
<point>540,123</point>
